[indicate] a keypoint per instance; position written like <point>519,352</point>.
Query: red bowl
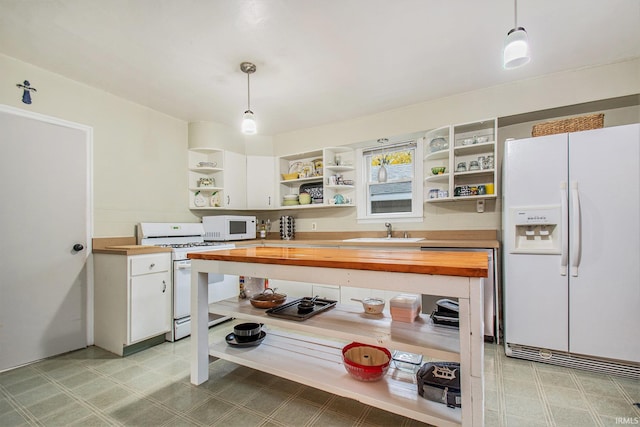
<point>366,362</point>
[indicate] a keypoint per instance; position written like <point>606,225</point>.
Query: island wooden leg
<point>476,312</point>
<point>472,355</point>
<point>199,327</point>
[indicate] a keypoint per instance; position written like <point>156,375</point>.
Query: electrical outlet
<point>480,205</point>
<point>314,226</point>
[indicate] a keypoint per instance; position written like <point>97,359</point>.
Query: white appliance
<point>229,227</point>
<point>491,311</point>
<point>185,238</point>
<point>571,226</point>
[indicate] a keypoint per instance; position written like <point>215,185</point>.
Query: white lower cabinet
<point>149,306</point>
<point>298,289</point>
<point>132,299</point>
<point>290,288</point>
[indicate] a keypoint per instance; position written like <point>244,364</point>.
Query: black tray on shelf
<point>290,309</point>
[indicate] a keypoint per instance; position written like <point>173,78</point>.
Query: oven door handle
<point>183,265</point>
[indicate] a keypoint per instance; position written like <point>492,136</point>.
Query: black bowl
<point>246,332</point>
<point>306,306</point>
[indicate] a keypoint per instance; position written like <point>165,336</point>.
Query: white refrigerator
<point>571,225</point>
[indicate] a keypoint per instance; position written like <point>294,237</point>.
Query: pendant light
<point>248,121</point>
<point>516,45</point>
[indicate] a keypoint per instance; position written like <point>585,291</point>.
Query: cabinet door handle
<point>269,202</point>
<point>164,286</point>
<point>228,200</point>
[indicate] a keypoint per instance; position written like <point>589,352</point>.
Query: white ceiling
<point>318,61</point>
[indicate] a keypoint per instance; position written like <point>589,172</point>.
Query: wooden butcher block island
<point>309,351</point>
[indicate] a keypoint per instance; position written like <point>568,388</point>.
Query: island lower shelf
<point>317,362</point>
<point>350,323</point>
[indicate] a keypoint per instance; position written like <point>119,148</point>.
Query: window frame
<point>417,187</point>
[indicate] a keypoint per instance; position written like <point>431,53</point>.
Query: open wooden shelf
<point>348,322</point>
<point>317,362</point>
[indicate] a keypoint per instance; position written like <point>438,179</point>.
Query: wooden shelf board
<point>348,322</point>
<point>317,362</point>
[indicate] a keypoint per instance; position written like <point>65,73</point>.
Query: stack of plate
<point>290,200</point>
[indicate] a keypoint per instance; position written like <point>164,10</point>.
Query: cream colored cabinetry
<point>132,299</point>
<point>235,181</point>
<point>260,182</point>
<point>217,179</point>
<point>468,152</point>
<point>319,174</point>
<point>297,289</point>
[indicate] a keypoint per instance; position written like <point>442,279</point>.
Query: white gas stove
<point>181,237</point>
<point>186,238</point>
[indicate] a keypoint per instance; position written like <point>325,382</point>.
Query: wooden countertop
<point>130,250</point>
<point>123,246</point>
<point>468,264</point>
<point>426,243</point>
<point>481,239</point>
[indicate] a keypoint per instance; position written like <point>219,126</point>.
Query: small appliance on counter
<point>229,227</point>
<point>287,227</point>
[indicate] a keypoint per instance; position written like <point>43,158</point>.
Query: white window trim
<point>416,188</point>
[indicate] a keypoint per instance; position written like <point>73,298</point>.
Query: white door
<point>604,292</point>
<point>535,294</point>
<point>45,213</point>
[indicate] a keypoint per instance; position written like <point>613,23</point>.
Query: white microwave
<point>229,227</point>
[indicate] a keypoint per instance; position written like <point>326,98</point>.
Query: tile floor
<point>92,387</point>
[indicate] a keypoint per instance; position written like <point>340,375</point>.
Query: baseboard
<point>569,360</point>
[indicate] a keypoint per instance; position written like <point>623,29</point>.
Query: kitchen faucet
<point>388,225</point>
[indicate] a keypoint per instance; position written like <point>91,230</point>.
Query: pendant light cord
<point>515,13</point>
<point>248,94</point>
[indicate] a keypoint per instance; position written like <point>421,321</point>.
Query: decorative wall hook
<point>26,94</point>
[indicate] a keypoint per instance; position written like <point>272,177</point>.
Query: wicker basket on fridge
<point>573,124</point>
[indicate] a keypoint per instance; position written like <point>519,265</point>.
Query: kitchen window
<point>391,184</point>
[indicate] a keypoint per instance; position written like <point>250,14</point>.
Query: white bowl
<point>291,197</point>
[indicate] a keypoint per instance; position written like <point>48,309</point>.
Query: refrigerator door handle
<point>575,229</point>
<point>564,200</point>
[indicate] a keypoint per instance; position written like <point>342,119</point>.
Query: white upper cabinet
<point>217,179</point>
<point>235,181</point>
<point>466,157</point>
<point>261,182</point>
<point>327,175</point>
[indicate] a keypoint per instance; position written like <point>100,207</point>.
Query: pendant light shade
<point>249,123</point>
<point>516,48</point>
<point>249,126</point>
<point>516,45</point>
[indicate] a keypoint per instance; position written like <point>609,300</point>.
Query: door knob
<point>78,247</point>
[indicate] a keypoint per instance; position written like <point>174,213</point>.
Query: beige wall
<point>547,92</point>
<point>560,89</point>
<point>140,155</point>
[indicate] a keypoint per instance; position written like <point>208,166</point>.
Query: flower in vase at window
<point>380,159</point>
<point>395,158</point>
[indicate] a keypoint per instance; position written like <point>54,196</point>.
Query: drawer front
<point>146,264</point>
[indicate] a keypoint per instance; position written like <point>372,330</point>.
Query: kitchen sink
<point>384,239</point>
